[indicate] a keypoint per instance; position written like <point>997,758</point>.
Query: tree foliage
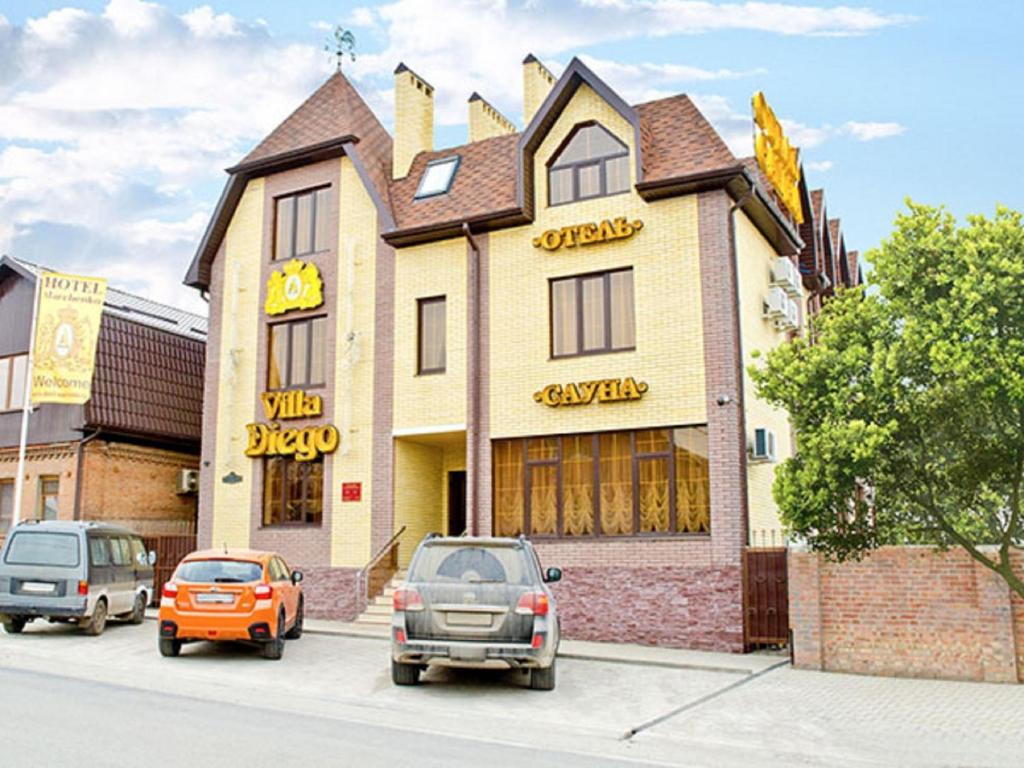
<point>914,390</point>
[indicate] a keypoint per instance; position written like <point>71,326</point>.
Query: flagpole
<point>19,481</point>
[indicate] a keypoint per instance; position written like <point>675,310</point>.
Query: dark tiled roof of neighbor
<point>150,357</point>
<point>147,382</point>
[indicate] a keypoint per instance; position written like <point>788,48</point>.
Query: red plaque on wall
<point>351,491</point>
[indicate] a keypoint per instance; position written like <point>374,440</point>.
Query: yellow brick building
<point>542,332</point>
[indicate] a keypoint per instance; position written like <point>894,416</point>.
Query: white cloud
<point>820,166</point>
<point>115,128</point>
<point>872,131</point>
<point>115,125</point>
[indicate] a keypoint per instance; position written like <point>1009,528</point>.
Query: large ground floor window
<point>293,491</point>
<point>652,481</point>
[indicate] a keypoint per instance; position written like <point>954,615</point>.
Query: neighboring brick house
<point>542,332</point>
<point>121,455</point>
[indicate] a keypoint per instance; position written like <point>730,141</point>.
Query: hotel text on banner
<point>67,326</point>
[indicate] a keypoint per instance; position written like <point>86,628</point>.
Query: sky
<point>118,117</point>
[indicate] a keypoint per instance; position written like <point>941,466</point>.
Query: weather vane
<point>344,42</point>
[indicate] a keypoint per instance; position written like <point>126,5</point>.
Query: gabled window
<point>592,163</point>
<point>437,177</point>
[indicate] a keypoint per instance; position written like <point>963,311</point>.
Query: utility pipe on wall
<point>473,384</point>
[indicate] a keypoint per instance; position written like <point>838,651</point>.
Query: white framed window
<point>438,177</point>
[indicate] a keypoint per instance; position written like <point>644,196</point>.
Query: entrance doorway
<point>456,503</point>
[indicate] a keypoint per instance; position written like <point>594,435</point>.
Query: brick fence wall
<point>906,612</point>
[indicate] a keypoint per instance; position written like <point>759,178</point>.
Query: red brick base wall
<point>331,593</point>
<point>906,612</point>
<point>675,607</point>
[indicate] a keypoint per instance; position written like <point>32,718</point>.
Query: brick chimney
<point>414,119</point>
<point>537,84</point>
<point>485,121</point>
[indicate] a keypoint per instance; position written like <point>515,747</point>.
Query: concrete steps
<point>378,611</point>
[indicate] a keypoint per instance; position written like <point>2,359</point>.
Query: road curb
<point>609,658</point>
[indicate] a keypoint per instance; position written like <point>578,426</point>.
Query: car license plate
<point>214,597</point>
<point>469,619</point>
<point>38,587</point>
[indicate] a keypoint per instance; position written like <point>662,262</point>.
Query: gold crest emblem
<point>295,286</point>
<point>64,341</point>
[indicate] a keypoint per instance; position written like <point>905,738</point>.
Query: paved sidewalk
<point>621,653</point>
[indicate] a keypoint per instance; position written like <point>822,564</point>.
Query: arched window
<point>592,163</point>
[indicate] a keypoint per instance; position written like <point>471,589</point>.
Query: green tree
<point>908,404</point>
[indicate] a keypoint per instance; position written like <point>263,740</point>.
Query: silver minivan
<point>81,572</point>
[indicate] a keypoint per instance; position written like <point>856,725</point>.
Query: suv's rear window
<point>471,564</point>
<point>38,548</point>
<point>219,571</point>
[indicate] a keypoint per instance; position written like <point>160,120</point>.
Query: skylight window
<point>437,177</point>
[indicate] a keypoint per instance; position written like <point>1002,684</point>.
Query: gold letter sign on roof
<point>295,286</point>
<point>777,159</point>
<point>587,234</point>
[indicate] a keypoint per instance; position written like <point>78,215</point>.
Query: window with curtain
<point>302,223</point>
<point>12,382</point>
<point>593,314</point>
<point>592,163</point>
<point>607,484</point>
<point>292,491</point>
<point>297,354</point>
<point>431,333</point>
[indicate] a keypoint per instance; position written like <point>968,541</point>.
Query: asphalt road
<point>58,721</point>
<point>67,699</point>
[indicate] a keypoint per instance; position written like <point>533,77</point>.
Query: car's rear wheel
<point>274,649</point>
<point>169,647</point>
<point>98,622</point>
<point>543,679</point>
<point>138,614</point>
<point>404,674</point>
<point>14,625</point>
<point>296,631</point>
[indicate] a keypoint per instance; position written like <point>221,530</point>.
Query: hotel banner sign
<point>67,328</point>
<point>588,234</point>
<point>586,392</point>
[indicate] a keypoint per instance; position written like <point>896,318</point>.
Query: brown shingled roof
<point>678,140</point>
<point>484,183</point>
<point>334,110</point>
<point>853,259</point>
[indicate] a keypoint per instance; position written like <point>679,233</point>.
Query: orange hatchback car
<point>231,594</point>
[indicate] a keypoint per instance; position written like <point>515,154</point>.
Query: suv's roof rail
<point>432,535</point>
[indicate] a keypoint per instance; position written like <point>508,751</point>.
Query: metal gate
<point>169,552</point>
<point>765,597</point>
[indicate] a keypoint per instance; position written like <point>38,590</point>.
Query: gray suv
<point>479,603</point>
<point>73,571</point>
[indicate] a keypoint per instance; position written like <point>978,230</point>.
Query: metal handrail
<point>382,551</point>
<point>361,577</point>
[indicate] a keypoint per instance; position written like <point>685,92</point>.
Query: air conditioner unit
<point>790,321</point>
<point>188,481</point>
<point>763,446</point>
<point>774,304</point>
<point>786,276</point>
